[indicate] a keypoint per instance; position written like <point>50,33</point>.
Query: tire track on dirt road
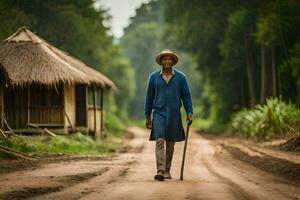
<point>60,184</point>
<point>219,164</point>
<point>210,173</point>
<point>75,178</point>
<point>93,185</point>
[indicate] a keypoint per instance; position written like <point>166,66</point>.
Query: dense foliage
<point>142,41</point>
<point>77,27</point>
<point>236,54</point>
<point>247,51</point>
<point>271,120</point>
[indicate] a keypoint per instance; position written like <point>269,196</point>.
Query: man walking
<point>166,91</point>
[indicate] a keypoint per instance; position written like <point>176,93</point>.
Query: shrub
<point>267,121</point>
<point>113,124</point>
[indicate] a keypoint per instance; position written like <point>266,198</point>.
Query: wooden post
<point>95,121</point>
<point>28,104</point>
<point>63,102</point>
<point>101,106</point>
<point>87,107</point>
<point>1,106</point>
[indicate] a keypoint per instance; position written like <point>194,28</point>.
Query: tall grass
<point>71,144</point>
<point>268,121</point>
<point>16,143</point>
<point>113,124</point>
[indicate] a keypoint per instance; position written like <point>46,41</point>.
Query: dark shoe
<point>167,175</point>
<point>159,176</point>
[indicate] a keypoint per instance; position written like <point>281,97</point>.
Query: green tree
<point>143,39</point>
<point>140,46</point>
<point>77,27</point>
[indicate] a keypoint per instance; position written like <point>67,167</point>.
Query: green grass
<point>113,124</point>
<point>202,124</point>
<point>77,143</point>
<point>137,122</point>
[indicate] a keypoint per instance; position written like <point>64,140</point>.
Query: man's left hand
<point>189,119</point>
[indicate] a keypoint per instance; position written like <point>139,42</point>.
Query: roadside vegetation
<point>87,37</point>
<point>237,56</point>
<point>73,144</point>
<point>274,119</point>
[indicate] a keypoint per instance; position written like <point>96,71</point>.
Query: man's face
<point>167,61</point>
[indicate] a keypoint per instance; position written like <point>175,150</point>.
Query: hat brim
<point>173,55</point>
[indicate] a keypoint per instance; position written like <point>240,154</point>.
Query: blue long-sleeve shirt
<point>165,100</point>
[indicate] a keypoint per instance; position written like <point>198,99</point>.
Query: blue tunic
<point>165,100</point>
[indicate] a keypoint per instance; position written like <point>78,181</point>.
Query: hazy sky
<point>121,11</point>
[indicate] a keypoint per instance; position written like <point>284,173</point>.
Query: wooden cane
<point>184,150</point>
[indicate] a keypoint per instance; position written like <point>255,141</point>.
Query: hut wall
<point>69,102</point>
<point>46,106</point>
<point>16,107</point>
<point>91,120</point>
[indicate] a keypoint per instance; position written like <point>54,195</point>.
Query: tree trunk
<point>250,70</point>
<point>274,78</point>
<point>268,73</point>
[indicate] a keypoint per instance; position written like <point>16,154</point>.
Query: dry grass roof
<point>28,59</point>
<point>4,78</point>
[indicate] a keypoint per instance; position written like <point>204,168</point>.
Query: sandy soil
<point>215,169</point>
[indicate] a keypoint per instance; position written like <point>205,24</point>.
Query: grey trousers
<point>164,158</point>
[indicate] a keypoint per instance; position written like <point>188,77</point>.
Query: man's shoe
<point>167,175</point>
<point>159,176</point>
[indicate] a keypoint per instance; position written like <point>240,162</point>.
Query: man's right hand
<point>149,123</point>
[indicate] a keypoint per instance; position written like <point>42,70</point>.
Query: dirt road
<point>210,173</point>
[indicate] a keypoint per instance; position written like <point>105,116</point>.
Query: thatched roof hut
<point>29,59</point>
<point>50,88</point>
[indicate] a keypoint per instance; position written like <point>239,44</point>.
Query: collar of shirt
<point>173,72</point>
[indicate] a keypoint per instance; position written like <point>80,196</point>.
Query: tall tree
<point>225,36</point>
<point>77,27</point>
<point>143,39</point>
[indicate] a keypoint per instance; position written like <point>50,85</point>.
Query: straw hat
<point>166,52</point>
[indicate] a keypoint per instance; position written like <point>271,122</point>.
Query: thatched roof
<point>29,59</point>
<point>4,78</point>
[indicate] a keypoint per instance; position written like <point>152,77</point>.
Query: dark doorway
<point>81,105</point>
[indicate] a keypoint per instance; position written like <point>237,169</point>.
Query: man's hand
<point>189,119</point>
<point>149,123</point>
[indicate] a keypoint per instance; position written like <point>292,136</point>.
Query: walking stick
<point>184,149</point>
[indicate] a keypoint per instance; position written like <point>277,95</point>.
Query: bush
<point>113,124</point>
<point>268,121</point>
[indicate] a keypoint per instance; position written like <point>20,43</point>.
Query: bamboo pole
<point>45,130</point>
<point>28,104</point>
<point>72,128</point>
<point>102,110</point>
<point>2,134</point>
<point>95,121</point>
<point>1,106</point>
<point>16,153</point>
<point>7,125</point>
